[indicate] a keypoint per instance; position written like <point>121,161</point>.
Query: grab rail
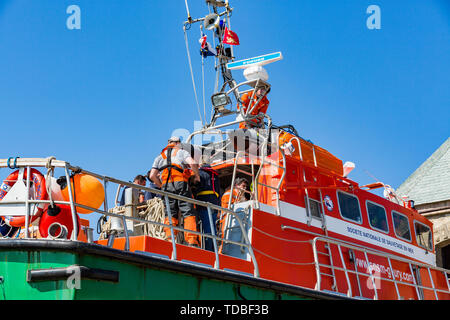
<point>52,163</point>
<point>390,257</point>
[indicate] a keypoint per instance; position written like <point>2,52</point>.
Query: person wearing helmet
<point>240,186</point>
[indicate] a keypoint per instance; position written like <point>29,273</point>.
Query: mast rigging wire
<point>192,74</point>
<point>203,78</point>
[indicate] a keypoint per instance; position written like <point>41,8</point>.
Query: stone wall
<point>439,214</point>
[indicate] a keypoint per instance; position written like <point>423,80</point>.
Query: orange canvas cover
<point>324,159</point>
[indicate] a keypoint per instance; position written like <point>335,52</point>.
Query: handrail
<point>27,217</point>
<point>373,277</point>
<point>39,162</point>
<point>349,292</point>
<point>72,207</point>
<point>233,177</point>
<point>264,160</point>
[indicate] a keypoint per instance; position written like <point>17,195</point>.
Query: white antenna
<point>253,69</point>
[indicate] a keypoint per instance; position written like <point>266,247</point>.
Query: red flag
<point>229,37</point>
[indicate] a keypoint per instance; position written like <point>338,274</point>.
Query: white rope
<point>192,73</point>
<point>279,238</point>
<point>281,260</point>
<point>154,212</point>
<point>48,180</point>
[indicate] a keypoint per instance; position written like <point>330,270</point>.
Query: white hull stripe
<point>357,232</point>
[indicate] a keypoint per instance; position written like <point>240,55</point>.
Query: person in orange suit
<point>261,107</point>
<point>170,172</point>
<point>240,186</point>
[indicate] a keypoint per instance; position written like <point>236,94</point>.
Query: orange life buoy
<point>62,217</point>
<point>40,193</point>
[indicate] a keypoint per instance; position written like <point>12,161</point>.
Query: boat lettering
<point>379,239</point>
<point>381,269</point>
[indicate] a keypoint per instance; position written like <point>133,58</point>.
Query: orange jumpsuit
<point>238,196</point>
<point>261,107</point>
<point>174,178</point>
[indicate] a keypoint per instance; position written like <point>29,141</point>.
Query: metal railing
<point>51,163</point>
<point>261,168</point>
<point>373,277</point>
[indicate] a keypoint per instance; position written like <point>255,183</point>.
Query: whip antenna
<point>187,10</point>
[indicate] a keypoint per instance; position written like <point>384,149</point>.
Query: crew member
<point>150,195</point>
<point>208,190</point>
<point>173,164</point>
<point>240,185</point>
<point>261,107</point>
<point>140,180</point>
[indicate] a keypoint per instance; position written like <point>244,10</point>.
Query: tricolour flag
<point>205,47</point>
<point>202,41</point>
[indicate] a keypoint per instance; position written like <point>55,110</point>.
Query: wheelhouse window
<point>423,235</point>
<point>401,226</point>
<point>377,216</point>
<point>349,207</point>
<point>315,208</point>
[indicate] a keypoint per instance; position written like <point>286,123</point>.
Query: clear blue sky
<point>106,97</point>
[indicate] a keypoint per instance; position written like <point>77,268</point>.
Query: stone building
<point>429,187</point>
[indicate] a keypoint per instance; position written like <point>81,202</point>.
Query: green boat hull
<point>67,270</point>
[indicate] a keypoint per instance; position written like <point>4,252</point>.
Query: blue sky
<point>106,97</point>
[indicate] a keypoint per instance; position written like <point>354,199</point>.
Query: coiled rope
<point>154,211</point>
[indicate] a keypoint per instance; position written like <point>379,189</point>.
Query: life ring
<point>40,193</point>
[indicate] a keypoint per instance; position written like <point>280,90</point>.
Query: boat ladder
<point>320,266</point>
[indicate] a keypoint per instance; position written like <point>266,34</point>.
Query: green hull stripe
<point>141,277</point>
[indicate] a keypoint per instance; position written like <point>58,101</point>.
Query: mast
<point>224,55</point>
<point>256,76</point>
<point>216,22</point>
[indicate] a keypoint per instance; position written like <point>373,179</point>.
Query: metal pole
<point>419,295</point>
<point>74,235</point>
<point>432,283</point>
<point>371,277</point>
<point>393,277</point>
<point>349,292</point>
<point>187,10</point>
<point>27,204</point>
<point>316,262</point>
<point>169,214</point>
<point>127,239</point>
<point>105,202</point>
<point>213,232</point>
